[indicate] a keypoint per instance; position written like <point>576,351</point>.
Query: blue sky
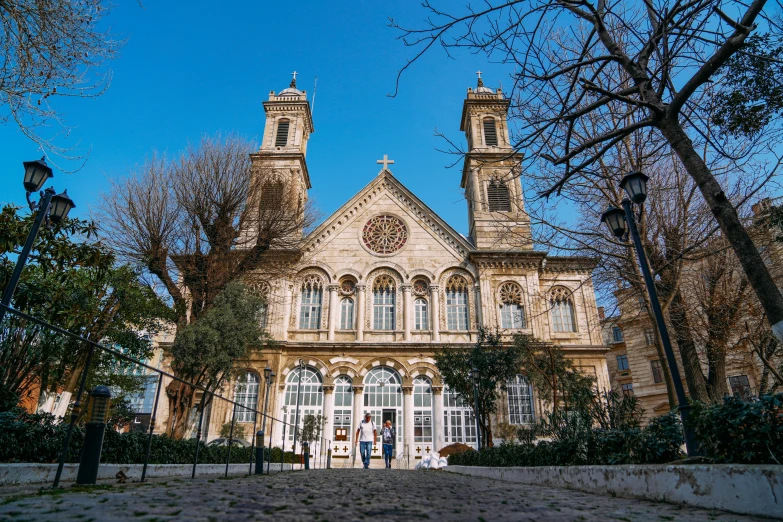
<point>194,68</point>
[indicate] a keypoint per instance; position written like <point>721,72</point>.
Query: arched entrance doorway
<point>383,400</point>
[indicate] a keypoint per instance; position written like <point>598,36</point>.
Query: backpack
<point>388,435</point>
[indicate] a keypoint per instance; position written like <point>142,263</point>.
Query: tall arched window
<point>457,303</point>
<point>459,424</point>
<point>310,309</point>
<point>561,302</point>
<point>498,197</point>
<point>421,314</point>
<point>383,296</point>
<point>281,138</point>
<point>271,195</point>
<point>383,398</point>
<point>311,399</point>
<point>346,314</point>
<point>512,313</point>
<point>520,401</point>
<point>490,132</point>
<point>343,402</point>
<point>422,413</point>
<point>246,394</point>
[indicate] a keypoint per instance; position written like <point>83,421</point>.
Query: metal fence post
<point>253,442</point>
<point>74,416</point>
<point>282,445</point>
<point>231,438</point>
<point>152,428</point>
<point>271,432</point>
<point>198,433</point>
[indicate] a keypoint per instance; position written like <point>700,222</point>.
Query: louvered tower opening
<point>281,139</point>
<point>490,132</point>
<point>497,197</point>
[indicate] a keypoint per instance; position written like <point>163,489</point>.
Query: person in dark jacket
<point>388,437</point>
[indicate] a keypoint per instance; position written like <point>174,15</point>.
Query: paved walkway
<point>340,495</point>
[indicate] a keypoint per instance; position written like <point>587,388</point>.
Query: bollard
<point>260,452</point>
<point>329,458</point>
<point>98,415</point>
<point>306,454</point>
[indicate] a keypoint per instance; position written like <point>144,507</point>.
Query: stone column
<point>360,312</point>
<point>334,312</point>
<point>407,423</point>
<point>280,415</point>
<point>477,203</point>
<point>407,312</point>
<point>358,407</point>
<point>287,304</point>
<point>328,432</point>
<point>435,319</point>
<point>477,304</point>
<point>437,417</point>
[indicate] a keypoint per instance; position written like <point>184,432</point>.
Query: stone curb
<point>742,489</point>
<point>27,473</point>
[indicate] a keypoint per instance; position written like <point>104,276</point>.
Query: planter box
<point>744,489</point>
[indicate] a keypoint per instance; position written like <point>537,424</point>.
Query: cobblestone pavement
<point>339,495</point>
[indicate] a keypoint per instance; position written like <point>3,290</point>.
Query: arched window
<point>261,290</point>
<point>346,314</point>
<point>457,303</point>
<point>459,424</point>
<point>382,389</point>
<point>310,309</point>
<point>520,401</point>
<point>561,302</point>
<point>343,402</point>
<point>383,296</point>
<point>246,394</point>
<point>281,138</point>
<point>422,413</point>
<point>490,132</point>
<point>497,196</point>
<point>420,312</point>
<point>311,399</point>
<point>512,313</point>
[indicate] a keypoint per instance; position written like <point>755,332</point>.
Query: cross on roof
<point>294,75</point>
<point>479,74</point>
<point>385,161</point>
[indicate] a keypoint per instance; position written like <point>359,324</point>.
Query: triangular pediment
<point>386,195</point>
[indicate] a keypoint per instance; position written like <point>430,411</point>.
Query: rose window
<point>510,293</point>
<point>347,287</point>
<point>385,234</point>
<point>420,287</point>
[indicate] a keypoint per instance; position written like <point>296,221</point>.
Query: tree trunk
<point>716,370</point>
<point>694,377</point>
<point>726,215</point>
<point>180,404</point>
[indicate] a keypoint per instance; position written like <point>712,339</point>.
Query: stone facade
<point>383,283</point>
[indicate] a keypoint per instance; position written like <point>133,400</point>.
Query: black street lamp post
<point>51,207</point>
<point>619,221</point>
<point>475,377</point>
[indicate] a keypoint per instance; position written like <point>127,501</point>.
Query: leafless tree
<point>650,61</point>
<point>201,221</point>
<point>50,49</point>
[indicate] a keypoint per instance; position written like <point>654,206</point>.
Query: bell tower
<point>490,175</point>
<point>279,168</point>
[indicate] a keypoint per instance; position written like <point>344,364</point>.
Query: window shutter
<point>281,139</point>
<point>490,132</point>
<point>497,197</point>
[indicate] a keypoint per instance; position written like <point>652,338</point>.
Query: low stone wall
<point>744,489</point>
<point>27,473</point>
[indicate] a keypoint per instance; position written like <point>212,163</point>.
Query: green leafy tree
<point>204,352</point>
<point>312,427</point>
<point>72,282</point>
<point>497,363</point>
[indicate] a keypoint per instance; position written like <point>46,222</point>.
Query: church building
<point>384,283</point>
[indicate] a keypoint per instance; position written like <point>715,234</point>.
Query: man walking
<point>388,436</point>
<point>366,437</point>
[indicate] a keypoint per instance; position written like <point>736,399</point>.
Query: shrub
<point>744,432</point>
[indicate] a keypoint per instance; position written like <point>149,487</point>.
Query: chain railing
<point>206,400</point>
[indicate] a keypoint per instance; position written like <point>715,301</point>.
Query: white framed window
<point>512,313</point>
<point>343,403</point>
<point>520,401</point>
<point>346,314</point>
<point>422,413</point>
<point>561,302</point>
<point>420,314</point>
<point>457,303</point>
<point>459,424</point>
<point>246,394</point>
<point>311,399</point>
<point>310,308</point>
<point>383,307</point>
